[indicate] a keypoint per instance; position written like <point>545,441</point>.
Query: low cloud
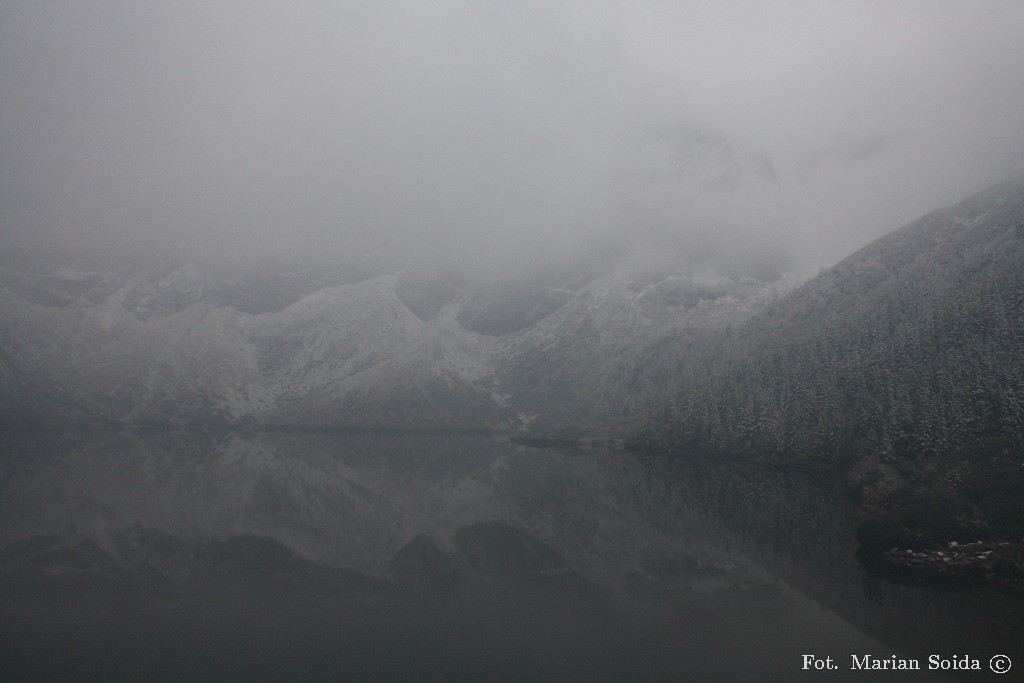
<point>490,136</point>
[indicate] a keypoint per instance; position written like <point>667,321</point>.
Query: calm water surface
<point>375,557</point>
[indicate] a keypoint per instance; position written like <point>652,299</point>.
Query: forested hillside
<point>903,365</point>
<point>913,345</point>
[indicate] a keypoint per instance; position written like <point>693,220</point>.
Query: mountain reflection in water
<point>385,557</point>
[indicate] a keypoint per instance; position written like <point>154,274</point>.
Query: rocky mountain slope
<point>910,346</point>
<point>168,344</point>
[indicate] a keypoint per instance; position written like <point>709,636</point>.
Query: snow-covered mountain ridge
<point>176,345</point>
<point>911,345</point>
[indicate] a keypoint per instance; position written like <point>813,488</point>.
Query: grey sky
<point>494,132</point>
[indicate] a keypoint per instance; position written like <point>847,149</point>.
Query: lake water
<point>429,558</point>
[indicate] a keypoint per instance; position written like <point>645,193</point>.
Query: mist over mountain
<point>898,366</point>
<point>487,138</point>
<point>491,341</point>
<point>164,342</point>
<point>736,357</point>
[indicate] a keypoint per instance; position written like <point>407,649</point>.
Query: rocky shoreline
<point>954,565</point>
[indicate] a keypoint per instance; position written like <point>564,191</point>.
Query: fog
<point>494,135</point>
